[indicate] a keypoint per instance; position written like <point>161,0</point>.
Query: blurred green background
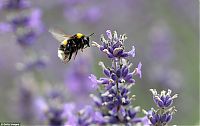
<point>165,34</point>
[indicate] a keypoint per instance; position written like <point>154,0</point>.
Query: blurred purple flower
<point>76,78</point>
<point>14,4</point>
<point>26,26</point>
<point>92,15</point>
<point>161,55</point>
<point>26,39</point>
<point>74,13</point>
<point>5,27</point>
<point>69,113</point>
<point>88,116</point>
<point>53,109</point>
<point>26,102</point>
<point>94,80</point>
<point>33,64</point>
<point>35,21</point>
<point>161,40</point>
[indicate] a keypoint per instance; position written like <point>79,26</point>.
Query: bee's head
<point>87,39</point>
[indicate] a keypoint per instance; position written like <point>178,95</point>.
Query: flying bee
<point>70,44</point>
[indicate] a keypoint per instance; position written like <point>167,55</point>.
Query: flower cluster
<point>114,99</point>
<point>23,20</point>
<point>114,46</point>
<point>14,4</point>
<point>163,115</point>
<point>33,63</point>
<point>25,100</point>
<point>88,116</point>
<point>52,108</point>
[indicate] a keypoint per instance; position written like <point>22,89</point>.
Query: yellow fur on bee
<point>79,35</point>
<point>65,42</point>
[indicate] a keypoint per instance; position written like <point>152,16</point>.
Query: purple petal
<point>98,117</point>
<point>128,77</point>
<point>109,86</point>
<point>103,81</point>
<point>114,76</point>
<point>169,118</point>
<point>109,34</point>
<point>93,78</point>
<point>124,54</point>
<point>122,111</point>
<point>119,73</point>
<point>163,118</point>
<point>114,111</point>
<point>153,120</point>
<point>106,72</point>
<point>131,81</point>
<point>125,71</point>
<point>168,103</point>
<point>69,108</point>
<point>132,52</point>
<point>96,100</point>
<point>110,49</point>
<point>124,91</point>
<point>132,113</point>
<point>138,70</point>
<point>102,48</point>
<point>160,104</point>
<point>110,55</point>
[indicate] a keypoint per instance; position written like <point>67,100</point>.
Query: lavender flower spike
<point>114,46</point>
<point>163,100</point>
<point>114,100</point>
<point>163,115</point>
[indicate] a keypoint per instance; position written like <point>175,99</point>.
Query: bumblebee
<point>70,44</point>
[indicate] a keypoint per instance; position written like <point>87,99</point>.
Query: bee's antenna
<point>91,35</point>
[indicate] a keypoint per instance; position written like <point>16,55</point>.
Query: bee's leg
<point>88,45</point>
<point>75,54</point>
<point>82,45</point>
<point>65,61</point>
<point>76,51</point>
<point>70,56</point>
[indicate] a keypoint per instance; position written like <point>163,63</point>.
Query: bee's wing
<point>60,36</point>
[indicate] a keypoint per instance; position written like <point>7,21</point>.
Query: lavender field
<point>141,66</point>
